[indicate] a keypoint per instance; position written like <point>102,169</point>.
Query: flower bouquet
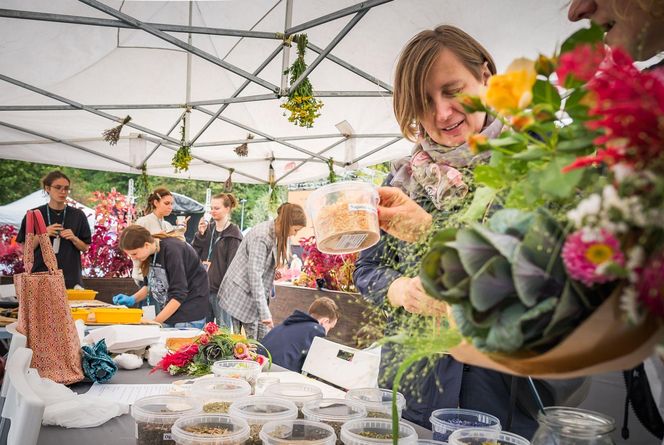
<point>335,271</point>
<point>197,356</point>
<point>563,274</point>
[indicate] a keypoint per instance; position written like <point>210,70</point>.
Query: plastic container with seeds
<point>485,436</point>
<point>210,429</point>
<point>298,393</point>
<point>334,412</point>
<point>430,442</point>
<point>297,432</point>
<point>447,420</point>
<point>258,410</point>
<point>155,415</point>
<point>218,393</point>
<point>248,370</point>
<point>376,432</point>
<point>345,216</point>
<point>377,401</point>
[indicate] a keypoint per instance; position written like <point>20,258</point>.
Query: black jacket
<point>219,251</point>
<point>290,341</point>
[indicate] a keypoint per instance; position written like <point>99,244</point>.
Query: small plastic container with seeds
<point>377,401</point>
<point>334,412</point>
<point>298,393</point>
<point>210,429</point>
<point>248,370</point>
<point>297,432</point>
<point>155,415</point>
<point>376,432</point>
<point>218,393</point>
<point>259,410</point>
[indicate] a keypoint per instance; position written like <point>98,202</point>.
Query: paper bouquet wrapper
<point>604,342</point>
<point>175,343</point>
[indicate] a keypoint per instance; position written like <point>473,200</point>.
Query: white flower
<point>589,207</point>
<point>589,235</point>
<point>621,171</point>
<point>630,305</point>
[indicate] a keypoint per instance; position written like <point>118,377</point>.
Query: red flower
<point>261,359</point>
<point>211,328</point>
<point>204,339</point>
<point>650,285</point>
<point>581,63</point>
<point>180,358</point>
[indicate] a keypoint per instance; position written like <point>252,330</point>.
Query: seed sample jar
<point>248,370</point>
<point>259,410</point>
<point>377,401</point>
<point>297,432</point>
<point>376,432</point>
<point>210,429</point>
<point>298,393</point>
<point>334,412</point>
<point>218,393</point>
<point>155,415</point>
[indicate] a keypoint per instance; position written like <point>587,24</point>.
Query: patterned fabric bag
<point>44,316</point>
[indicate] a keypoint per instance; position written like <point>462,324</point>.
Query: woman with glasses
<point>67,227</point>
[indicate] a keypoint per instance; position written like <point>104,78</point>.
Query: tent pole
<point>109,23</point>
<point>159,143</point>
<point>329,147</point>
<point>375,150</point>
<point>346,29</point>
<point>187,113</point>
<point>294,138</point>
<point>179,43</point>
<point>61,141</point>
<point>364,6</point>
<point>285,55</point>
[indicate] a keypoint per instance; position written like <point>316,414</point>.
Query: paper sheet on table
<point>293,377</point>
<point>126,393</point>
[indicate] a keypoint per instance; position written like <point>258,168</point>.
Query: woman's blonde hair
<point>415,63</point>
<point>135,237</point>
<point>156,195</point>
<point>289,215</point>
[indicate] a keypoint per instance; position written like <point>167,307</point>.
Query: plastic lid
<point>298,393</point>
<point>352,433</point>
<point>430,442</point>
<point>333,410</point>
<point>260,410</point>
<point>342,186</point>
<point>470,436</point>
<point>288,432</point>
<point>376,398</point>
<point>240,366</point>
<point>455,418</point>
<point>210,429</point>
<point>164,408</point>
<point>221,388</point>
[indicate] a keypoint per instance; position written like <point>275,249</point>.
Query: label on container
<point>361,208</point>
<point>168,436</point>
<point>349,242</point>
<point>136,430</point>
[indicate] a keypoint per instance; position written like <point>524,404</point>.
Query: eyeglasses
<point>61,188</point>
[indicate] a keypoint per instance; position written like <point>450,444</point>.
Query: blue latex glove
<point>126,300</point>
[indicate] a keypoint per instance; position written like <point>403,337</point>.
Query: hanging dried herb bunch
<point>243,149</point>
<point>144,181</point>
<point>182,157</point>
<point>302,105</point>
<point>332,176</point>
<point>112,135</point>
<point>228,185</point>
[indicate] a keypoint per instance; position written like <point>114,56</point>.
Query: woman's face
<point>626,23</point>
<point>294,229</point>
<point>164,206</point>
<point>141,253</point>
<point>218,211</point>
<point>58,190</point>
<point>446,122</point>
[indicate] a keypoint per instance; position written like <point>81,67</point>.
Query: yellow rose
<point>512,90</point>
<point>477,143</point>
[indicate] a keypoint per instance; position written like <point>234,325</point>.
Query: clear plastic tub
<point>334,412</point>
<point>155,415</point>
<point>485,436</point>
<point>296,432</point>
<point>377,401</point>
<point>430,442</point>
<point>376,432</point>
<point>264,381</point>
<point>298,393</point>
<point>258,410</point>
<point>345,217</point>
<point>218,393</point>
<point>445,421</point>
<point>248,370</point>
<point>210,429</point>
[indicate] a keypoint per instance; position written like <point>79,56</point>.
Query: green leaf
<point>481,200</point>
<point>491,284</point>
<point>586,35</point>
<point>511,221</point>
<point>505,244</point>
<point>519,196</point>
<point>490,176</point>
<point>430,273</point>
<point>573,106</point>
<point>554,182</point>
<point>530,281</point>
<point>545,93</point>
<point>463,321</point>
<point>453,271</point>
<point>507,140</point>
<point>473,250</point>
<point>532,153</point>
<point>543,241</point>
<point>567,312</point>
<point>576,145</point>
<point>535,320</point>
<point>505,335</point>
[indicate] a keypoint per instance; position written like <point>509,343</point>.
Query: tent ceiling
<point>63,83</point>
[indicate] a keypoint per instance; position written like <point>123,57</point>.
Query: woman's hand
<point>409,293</point>
<point>400,216</point>
<point>54,229</point>
<point>202,225</point>
<point>67,234</point>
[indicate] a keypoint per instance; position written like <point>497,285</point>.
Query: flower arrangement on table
<point>11,253</point>
<point>566,262</point>
<point>197,355</point>
<point>333,272</point>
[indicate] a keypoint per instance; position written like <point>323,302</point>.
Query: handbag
<point>44,316</point>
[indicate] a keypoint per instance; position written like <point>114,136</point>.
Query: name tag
<point>149,312</point>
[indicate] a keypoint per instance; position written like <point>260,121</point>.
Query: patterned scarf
<point>432,169</point>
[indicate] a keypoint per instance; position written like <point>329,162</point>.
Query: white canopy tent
<point>71,69</point>
<point>14,212</point>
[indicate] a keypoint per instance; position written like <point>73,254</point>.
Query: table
<point>121,430</point>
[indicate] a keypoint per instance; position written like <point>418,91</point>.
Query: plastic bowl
<point>377,401</point>
<point>334,412</point>
<point>445,421</point>
<point>294,432</point>
<point>210,429</point>
<point>298,393</point>
<point>258,410</point>
<point>154,415</point>
<point>376,432</point>
<point>248,370</point>
<point>485,436</point>
<point>430,442</point>
<point>345,216</point>
<point>218,393</point>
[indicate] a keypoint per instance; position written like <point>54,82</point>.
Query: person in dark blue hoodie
<point>290,341</point>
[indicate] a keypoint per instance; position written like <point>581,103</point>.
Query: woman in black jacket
<point>216,244</point>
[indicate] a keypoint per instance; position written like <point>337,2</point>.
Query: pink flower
<point>211,328</point>
<point>261,359</point>
<point>581,63</point>
<point>650,285</point>
<point>583,258</point>
<point>241,351</point>
<point>204,339</point>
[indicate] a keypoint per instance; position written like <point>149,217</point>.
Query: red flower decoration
<point>581,63</point>
<point>211,328</point>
